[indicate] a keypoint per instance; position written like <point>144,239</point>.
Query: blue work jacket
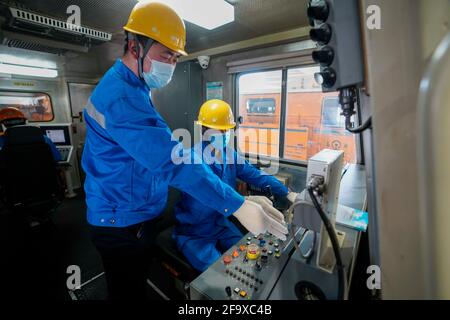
<point>199,221</point>
<point>127,157</point>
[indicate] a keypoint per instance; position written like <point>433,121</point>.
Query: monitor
<point>59,135</point>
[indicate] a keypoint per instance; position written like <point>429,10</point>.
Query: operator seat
<point>29,179</point>
<point>171,259</point>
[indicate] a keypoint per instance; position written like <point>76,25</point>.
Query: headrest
<point>23,135</point>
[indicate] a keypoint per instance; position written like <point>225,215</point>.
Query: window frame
<point>36,92</point>
<point>283,113</point>
<point>236,103</point>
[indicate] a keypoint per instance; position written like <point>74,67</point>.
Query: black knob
<point>321,34</point>
<point>318,10</point>
<point>326,78</point>
<point>324,57</point>
<point>228,291</point>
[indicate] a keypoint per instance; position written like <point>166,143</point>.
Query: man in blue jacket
<point>204,234</point>
<point>127,156</point>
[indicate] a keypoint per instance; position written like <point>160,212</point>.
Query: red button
<point>227,259</point>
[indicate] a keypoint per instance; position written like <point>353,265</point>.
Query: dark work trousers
<point>126,255</point>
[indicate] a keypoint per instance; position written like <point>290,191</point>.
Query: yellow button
<point>252,252</point>
<point>243,294</point>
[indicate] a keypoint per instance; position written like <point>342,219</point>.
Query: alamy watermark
<point>373,21</point>
<point>374,280</point>
<point>74,19</point>
<point>73,281</point>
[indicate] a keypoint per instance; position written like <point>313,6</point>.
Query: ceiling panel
<point>253,18</point>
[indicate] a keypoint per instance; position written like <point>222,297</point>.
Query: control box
<point>328,165</point>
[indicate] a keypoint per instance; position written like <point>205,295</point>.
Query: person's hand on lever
<point>268,207</point>
<point>258,220</point>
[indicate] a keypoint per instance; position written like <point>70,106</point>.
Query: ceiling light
<point>27,70</point>
<point>27,61</point>
<point>209,14</point>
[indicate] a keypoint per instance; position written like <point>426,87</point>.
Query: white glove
<point>258,221</point>
<point>261,200</point>
<point>267,206</point>
<point>292,196</point>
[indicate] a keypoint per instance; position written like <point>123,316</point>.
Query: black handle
<point>228,290</point>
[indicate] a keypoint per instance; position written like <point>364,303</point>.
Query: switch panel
<point>337,31</point>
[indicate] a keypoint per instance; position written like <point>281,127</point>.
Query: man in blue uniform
<point>127,156</point>
<point>203,234</point>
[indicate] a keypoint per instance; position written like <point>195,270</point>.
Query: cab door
<point>79,94</point>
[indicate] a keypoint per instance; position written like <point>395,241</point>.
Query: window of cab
<point>284,114</point>
<point>36,106</point>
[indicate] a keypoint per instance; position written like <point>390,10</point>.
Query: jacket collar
<point>128,76</point>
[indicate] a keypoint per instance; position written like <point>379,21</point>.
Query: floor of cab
<point>37,259</point>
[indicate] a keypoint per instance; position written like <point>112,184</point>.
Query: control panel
<point>247,271</point>
<point>60,135</point>
<point>66,153</point>
<point>263,268</point>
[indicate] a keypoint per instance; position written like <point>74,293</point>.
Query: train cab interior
<point>344,102</point>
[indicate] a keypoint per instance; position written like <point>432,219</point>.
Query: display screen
<point>57,136</point>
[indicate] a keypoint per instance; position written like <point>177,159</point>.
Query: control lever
<point>228,291</point>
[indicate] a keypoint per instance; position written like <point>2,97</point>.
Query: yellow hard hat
<point>159,22</point>
<point>216,114</point>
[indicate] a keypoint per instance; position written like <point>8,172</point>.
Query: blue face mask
<point>220,141</point>
<point>160,74</point>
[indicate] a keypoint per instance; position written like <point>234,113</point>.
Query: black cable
<point>366,125</point>
<point>347,99</point>
<point>361,139</point>
<point>334,242</point>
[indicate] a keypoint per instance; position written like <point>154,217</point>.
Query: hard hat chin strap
<point>140,60</point>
